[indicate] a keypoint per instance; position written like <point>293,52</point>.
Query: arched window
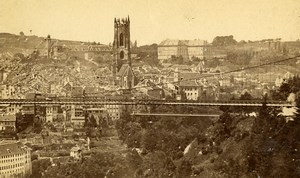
<point>122,55</point>
<point>121,39</point>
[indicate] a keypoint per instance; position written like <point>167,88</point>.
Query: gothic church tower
<point>121,68</point>
<point>121,45</point>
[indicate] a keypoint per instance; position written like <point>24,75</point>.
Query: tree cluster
<point>97,165</point>
<point>224,41</point>
<point>291,85</point>
<point>242,58</point>
<point>162,141</point>
<point>236,145</point>
<point>275,143</point>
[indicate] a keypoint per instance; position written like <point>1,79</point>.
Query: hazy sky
<point>153,20</point>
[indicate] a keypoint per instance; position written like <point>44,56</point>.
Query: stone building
<point>76,153</point>
<point>15,160</point>
<point>77,115</point>
<point>51,112</point>
<point>126,77</point>
<point>187,49</point>
<point>195,86</point>
<point>121,67</point>
<point>169,48</point>
<point>8,122</point>
<point>197,48</point>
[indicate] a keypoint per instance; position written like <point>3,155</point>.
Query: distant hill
<point>144,50</point>
<point>23,58</point>
<point>146,54</point>
<point>32,42</point>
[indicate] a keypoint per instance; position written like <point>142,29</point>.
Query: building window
<point>121,40</point>
<point>122,55</point>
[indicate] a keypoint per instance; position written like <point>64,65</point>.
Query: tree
<point>246,96</point>
<point>23,121</point>
<point>39,167</point>
<point>86,119</point>
<point>184,169</point>
<point>242,42</point>
<point>239,57</point>
<point>291,85</point>
<point>135,44</point>
<point>263,116</point>
<point>149,140</point>
<point>21,33</point>
<point>98,165</point>
<point>134,159</point>
<point>133,134</point>
<point>93,121</point>
<point>224,40</point>
<point>158,164</point>
<point>273,143</point>
<point>183,95</point>
<point>121,124</point>
<point>19,56</point>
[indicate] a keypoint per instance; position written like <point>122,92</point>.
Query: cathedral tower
<point>121,45</point>
<point>123,75</point>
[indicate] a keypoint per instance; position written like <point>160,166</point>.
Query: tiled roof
<point>75,149</point>
<point>181,67</point>
<point>124,70</point>
<point>196,42</point>
<point>195,79</point>
<point>12,148</point>
<point>189,75</point>
<point>77,88</point>
<point>147,83</point>
<point>90,89</point>
<point>189,83</point>
<point>169,42</point>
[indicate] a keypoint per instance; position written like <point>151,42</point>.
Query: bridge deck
<point>144,102</point>
<point>175,115</point>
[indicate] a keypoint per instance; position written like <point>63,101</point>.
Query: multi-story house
<point>191,88</point>
<point>51,112</point>
<point>195,86</point>
<point>8,122</point>
<point>197,49</point>
<point>77,91</point>
<point>168,48</point>
<point>15,160</point>
<point>12,109</point>
<point>28,109</point>
<point>77,115</point>
<point>114,111</point>
<point>7,91</point>
<point>187,49</point>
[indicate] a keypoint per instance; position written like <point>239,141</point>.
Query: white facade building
<point>15,160</point>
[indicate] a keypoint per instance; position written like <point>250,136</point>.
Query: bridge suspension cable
<point>231,71</point>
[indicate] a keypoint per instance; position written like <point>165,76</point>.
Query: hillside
<point>28,69</point>
<point>238,144</point>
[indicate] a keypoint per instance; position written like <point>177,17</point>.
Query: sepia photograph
<point>149,88</point>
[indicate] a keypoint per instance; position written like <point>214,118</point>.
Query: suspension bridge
<point>72,101</point>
